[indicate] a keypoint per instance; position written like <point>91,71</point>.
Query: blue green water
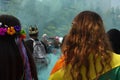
<point>44,71</point>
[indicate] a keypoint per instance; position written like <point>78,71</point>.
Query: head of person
<point>33,32</point>
<point>12,48</point>
<point>86,37</point>
<point>114,37</point>
<point>10,26</point>
<point>11,67</point>
<point>44,37</point>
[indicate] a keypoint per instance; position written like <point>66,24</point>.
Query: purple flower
<point>17,28</point>
<point>3,31</point>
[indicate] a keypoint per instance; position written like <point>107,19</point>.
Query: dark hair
<point>86,38</point>
<point>9,20</point>
<point>114,37</point>
<point>11,62</point>
<point>33,31</point>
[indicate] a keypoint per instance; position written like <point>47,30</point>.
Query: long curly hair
<point>87,36</point>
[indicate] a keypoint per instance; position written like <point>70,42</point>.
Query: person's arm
<point>29,44</point>
<point>32,63</point>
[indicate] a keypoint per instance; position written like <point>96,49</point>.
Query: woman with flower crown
<point>16,62</point>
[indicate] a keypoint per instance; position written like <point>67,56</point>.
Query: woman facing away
<point>16,62</point>
<point>87,53</point>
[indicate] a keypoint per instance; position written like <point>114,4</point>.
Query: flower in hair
<point>23,34</point>
<point>11,30</point>
<point>17,28</point>
<point>3,31</point>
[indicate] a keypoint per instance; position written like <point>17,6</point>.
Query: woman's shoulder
<point>113,74</point>
<point>115,60</point>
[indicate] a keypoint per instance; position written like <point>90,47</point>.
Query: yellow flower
<point>11,30</point>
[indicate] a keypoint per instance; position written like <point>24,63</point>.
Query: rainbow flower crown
<point>11,30</point>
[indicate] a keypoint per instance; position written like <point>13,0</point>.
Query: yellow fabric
<point>59,64</point>
<point>59,73</point>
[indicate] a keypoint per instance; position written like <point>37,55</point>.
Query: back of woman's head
<point>9,20</point>
<point>11,65</point>
<point>87,26</point>
<point>9,26</point>
<point>87,36</point>
<point>87,33</point>
<point>15,59</point>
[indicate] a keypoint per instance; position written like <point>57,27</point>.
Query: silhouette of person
<point>33,34</point>
<point>114,37</point>
<point>38,49</point>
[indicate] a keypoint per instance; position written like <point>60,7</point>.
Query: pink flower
<point>3,31</point>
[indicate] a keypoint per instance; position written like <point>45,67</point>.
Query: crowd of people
<point>88,52</point>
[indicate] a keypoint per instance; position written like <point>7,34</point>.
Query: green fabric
<point>113,74</point>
